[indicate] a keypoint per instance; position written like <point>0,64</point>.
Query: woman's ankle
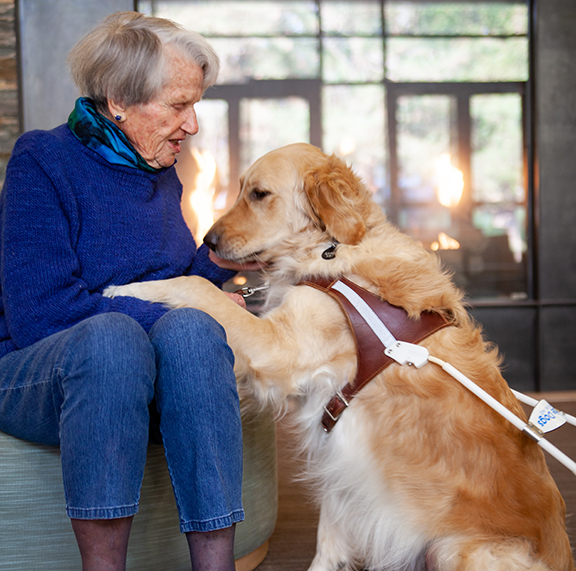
<point>212,550</point>
<point>103,543</point>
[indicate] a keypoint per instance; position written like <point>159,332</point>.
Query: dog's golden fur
<point>418,473</point>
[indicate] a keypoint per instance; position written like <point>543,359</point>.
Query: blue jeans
<point>88,389</point>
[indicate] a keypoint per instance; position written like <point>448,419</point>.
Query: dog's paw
<point>159,291</point>
<point>129,290</point>
<point>112,291</point>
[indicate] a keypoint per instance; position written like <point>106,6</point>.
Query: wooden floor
<point>293,542</point>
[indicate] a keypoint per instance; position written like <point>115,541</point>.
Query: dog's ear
<point>335,193</point>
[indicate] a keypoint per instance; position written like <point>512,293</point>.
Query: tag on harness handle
<point>546,418</point>
<point>408,354</point>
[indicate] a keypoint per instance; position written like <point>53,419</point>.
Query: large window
<point>425,99</point>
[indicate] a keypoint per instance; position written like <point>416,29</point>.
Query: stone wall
<point>9,119</point>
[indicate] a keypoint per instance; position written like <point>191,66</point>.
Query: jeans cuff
<point>102,513</point>
<point>213,524</point>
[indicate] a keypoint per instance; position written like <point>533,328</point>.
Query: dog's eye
<point>258,194</point>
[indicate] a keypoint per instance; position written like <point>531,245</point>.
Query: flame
<point>450,182</point>
<point>202,198</point>
<point>347,145</point>
<point>445,242</point>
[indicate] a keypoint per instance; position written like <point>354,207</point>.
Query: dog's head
<point>286,192</point>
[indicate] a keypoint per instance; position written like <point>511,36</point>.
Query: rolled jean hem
<point>213,524</point>
<point>102,513</point>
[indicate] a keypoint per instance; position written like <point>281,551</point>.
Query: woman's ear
<point>335,195</point>
<point>117,111</point>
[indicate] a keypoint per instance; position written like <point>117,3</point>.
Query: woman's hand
<point>237,298</point>
<point>230,265</point>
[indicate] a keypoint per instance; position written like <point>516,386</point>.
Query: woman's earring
<point>118,117</point>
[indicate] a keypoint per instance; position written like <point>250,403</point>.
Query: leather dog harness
<point>394,324</point>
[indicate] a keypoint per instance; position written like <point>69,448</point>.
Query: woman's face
<point>157,129</point>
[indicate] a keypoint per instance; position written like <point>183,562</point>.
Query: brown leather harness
<point>369,348</point>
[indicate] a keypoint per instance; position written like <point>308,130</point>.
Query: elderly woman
<point>93,203</point>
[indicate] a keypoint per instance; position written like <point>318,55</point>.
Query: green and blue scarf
<point>104,137</point>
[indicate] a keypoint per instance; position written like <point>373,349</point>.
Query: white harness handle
<point>544,417</point>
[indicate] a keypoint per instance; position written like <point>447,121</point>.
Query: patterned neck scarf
<point>104,137</point>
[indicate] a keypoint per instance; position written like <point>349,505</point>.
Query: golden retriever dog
<point>418,473</point>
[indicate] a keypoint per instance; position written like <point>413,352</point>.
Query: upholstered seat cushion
<point>35,532</point>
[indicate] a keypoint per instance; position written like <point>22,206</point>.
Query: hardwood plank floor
<point>293,543</point>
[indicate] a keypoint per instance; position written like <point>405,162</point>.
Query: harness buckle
<point>341,396</point>
<point>342,399</point>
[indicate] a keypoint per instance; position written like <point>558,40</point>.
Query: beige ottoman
<point>35,532</point>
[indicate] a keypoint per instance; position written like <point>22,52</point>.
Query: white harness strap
<point>407,353</point>
<point>380,330</point>
<point>401,352</point>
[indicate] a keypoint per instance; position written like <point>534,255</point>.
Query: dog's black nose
<point>211,240</point>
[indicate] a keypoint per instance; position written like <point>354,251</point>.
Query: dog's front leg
<point>332,548</point>
<point>280,349</point>
<point>243,329</point>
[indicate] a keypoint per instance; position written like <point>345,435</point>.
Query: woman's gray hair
<point>123,59</point>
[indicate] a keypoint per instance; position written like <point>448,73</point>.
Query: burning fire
<point>203,201</point>
<point>450,182</point>
<point>202,198</point>
<point>445,242</point>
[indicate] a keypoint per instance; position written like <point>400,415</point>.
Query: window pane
<point>497,165</point>
<point>243,59</point>
<point>352,59</point>
<point>459,59</point>
<point>204,169</point>
<point>445,18</point>
<point>500,262</point>
<point>241,17</point>
<point>351,18</point>
<point>424,137</point>
<point>424,223</point>
<point>213,134</point>
<point>498,220</point>
<point>358,139</point>
<point>267,124</point>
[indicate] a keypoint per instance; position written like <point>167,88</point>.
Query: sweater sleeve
<point>41,277</point>
<point>204,267</point>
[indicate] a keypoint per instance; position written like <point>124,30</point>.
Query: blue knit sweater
<point>72,224</point>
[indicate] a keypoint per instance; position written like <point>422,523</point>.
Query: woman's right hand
<point>237,298</point>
